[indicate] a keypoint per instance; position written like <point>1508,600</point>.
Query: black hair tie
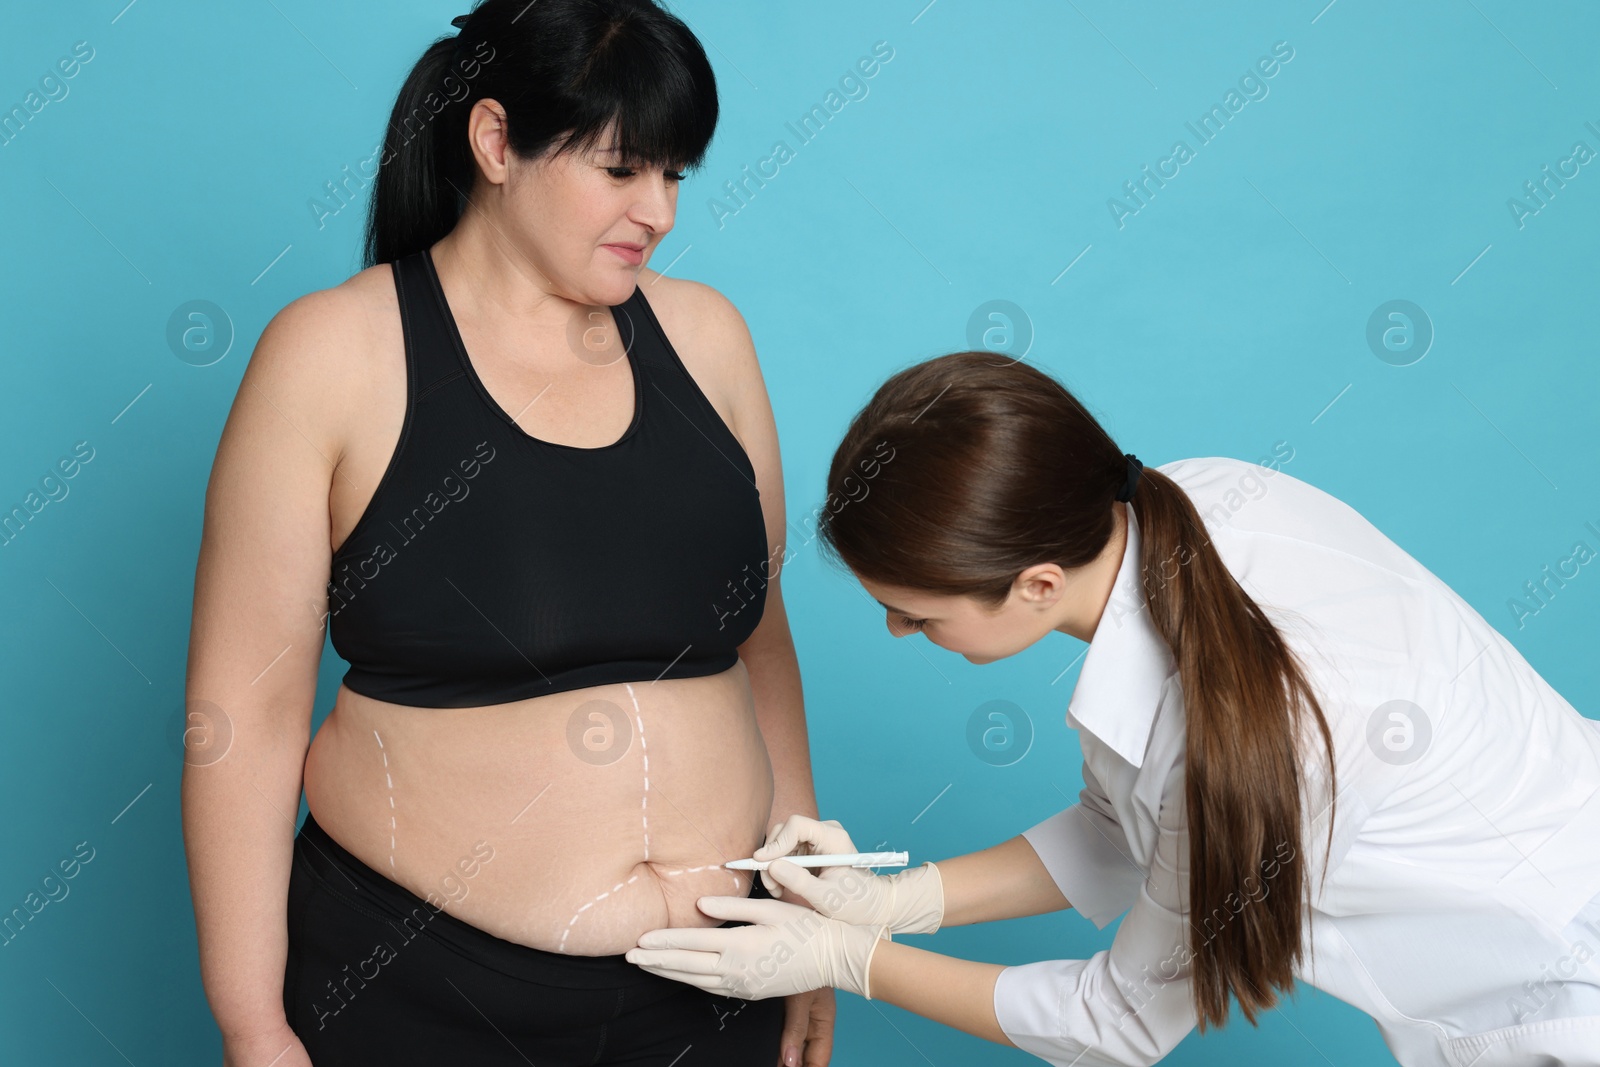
<point>1132,481</point>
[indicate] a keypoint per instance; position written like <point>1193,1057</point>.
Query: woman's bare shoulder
<point>336,328</point>
<point>329,346</point>
<point>707,331</point>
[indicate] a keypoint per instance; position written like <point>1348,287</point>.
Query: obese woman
<point>532,490</point>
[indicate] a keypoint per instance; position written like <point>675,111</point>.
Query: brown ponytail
<point>997,467</point>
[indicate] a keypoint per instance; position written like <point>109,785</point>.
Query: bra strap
<point>431,353</point>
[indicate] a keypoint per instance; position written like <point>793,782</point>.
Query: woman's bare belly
<point>560,835</point>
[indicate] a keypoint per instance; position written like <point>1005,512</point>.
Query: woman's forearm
<point>769,657</point>
<point>238,835</point>
<point>956,992</point>
<point>1003,882</point>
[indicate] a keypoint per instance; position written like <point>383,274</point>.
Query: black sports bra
<point>491,566</point>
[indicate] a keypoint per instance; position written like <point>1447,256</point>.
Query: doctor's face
<point>964,625</point>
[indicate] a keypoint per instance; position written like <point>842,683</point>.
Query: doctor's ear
<point>1042,584</point>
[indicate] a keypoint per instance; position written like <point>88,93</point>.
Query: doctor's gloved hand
<point>909,902</point>
<point>788,949</point>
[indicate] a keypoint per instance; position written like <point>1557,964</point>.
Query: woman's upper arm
<point>1129,1004</point>
<point>721,343</point>
<point>260,593</point>
<point>1086,850</point>
<point>753,422</point>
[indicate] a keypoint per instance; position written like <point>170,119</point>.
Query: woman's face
<point>962,624</point>
<point>589,220</point>
<point>1043,599</point>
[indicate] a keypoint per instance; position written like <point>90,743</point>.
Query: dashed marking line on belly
<point>390,782</point>
<point>644,799</point>
<point>644,803</point>
<point>644,814</point>
<point>562,945</point>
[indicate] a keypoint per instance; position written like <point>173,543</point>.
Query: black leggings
<point>376,975</point>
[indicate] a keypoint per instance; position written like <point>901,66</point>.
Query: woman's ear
<point>487,134</point>
<point>1042,585</point>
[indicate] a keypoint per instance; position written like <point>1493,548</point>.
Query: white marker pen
<point>844,859</point>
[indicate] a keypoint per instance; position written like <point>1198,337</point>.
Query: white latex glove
<point>908,902</point>
<point>792,949</point>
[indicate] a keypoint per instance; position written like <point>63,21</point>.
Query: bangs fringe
<point>663,116</point>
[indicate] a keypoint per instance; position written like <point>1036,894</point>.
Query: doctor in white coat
<point>1304,757</point>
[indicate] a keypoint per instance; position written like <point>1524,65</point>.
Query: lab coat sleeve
<point>1086,851</point>
<point>1129,1004</point>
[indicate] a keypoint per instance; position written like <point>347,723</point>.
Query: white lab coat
<point>1461,907</point>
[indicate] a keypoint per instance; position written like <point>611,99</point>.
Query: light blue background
<point>1228,314</point>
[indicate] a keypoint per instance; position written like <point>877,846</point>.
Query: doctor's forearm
<point>1006,881</point>
<point>958,993</point>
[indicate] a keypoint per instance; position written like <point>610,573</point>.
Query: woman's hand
<point>808,1028</point>
<point>910,902</point>
<point>278,1046</point>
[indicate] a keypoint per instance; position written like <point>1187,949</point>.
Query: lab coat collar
<point>1126,666</point>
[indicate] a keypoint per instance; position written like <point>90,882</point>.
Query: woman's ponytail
<point>422,173</point>
<point>997,467</point>
<point>1244,698</point>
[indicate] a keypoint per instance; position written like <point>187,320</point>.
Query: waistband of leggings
<point>340,868</point>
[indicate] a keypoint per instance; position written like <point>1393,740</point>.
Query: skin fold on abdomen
<point>571,822</point>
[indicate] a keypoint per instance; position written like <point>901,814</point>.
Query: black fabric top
<point>491,566</point>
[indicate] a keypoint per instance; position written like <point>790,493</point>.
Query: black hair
<point>564,70</point>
